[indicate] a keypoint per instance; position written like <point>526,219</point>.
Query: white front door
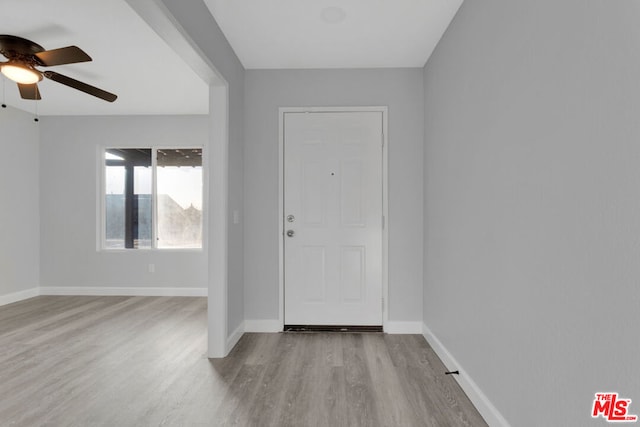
<point>333,218</point>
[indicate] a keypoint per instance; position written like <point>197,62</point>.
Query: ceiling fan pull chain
<point>36,118</point>
<point>4,104</point>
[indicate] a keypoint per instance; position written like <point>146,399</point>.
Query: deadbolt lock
<point>291,218</point>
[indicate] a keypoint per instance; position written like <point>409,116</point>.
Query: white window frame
<point>102,236</point>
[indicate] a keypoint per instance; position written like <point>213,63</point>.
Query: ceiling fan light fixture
<point>21,74</point>
<point>24,55</point>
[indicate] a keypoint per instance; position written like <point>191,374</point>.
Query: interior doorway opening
<point>158,17</point>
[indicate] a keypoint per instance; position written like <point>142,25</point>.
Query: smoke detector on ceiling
<point>333,15</point>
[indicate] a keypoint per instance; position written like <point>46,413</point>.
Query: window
<point>153,198</point>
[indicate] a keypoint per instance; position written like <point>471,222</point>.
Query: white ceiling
<point>132,61</point>
<point>371,34</point>
<point>129,59</point>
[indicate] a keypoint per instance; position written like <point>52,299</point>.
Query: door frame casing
<point>385,199</point>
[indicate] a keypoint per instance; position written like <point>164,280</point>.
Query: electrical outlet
<point>152,268</point>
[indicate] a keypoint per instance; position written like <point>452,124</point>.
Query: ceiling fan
<point>24,55</point>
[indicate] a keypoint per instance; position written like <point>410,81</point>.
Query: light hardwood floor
<point>141,361</point>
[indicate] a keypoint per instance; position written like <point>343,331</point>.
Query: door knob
<point>290,233</point>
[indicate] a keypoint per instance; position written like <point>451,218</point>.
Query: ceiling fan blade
<point>91,90</point>
<point>29,91</point>
<point>64,55</point>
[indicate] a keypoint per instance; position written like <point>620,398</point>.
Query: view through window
<point>153,198</point>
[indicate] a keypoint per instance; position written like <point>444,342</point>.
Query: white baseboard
<point>102,291</point>
<point>392,327</point>
<point>19,296</point>
<point>123,291</point>
<point>262,326</point>
<point>235,336</point>
<point>490,413</point>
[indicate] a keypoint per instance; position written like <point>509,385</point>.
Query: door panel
<point>313,274</point>
<point>333,207</point>
<point>314,194</point>
<point>352,274</point>
<point>351,190</point>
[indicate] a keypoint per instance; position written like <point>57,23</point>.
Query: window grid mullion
<point>154,198</point>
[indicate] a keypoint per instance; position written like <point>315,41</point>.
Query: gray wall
<point>19,203</point>
<point>401,91</point>
<point>69,174</point>
<point>195,18</point>
<point>532,206</point>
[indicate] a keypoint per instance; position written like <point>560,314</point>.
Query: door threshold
<point>331,328</point>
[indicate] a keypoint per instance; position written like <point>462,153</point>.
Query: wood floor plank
<point>141,361</point>
<point>275,381</point>
<point>389,391</point>
<point>361,404</point>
